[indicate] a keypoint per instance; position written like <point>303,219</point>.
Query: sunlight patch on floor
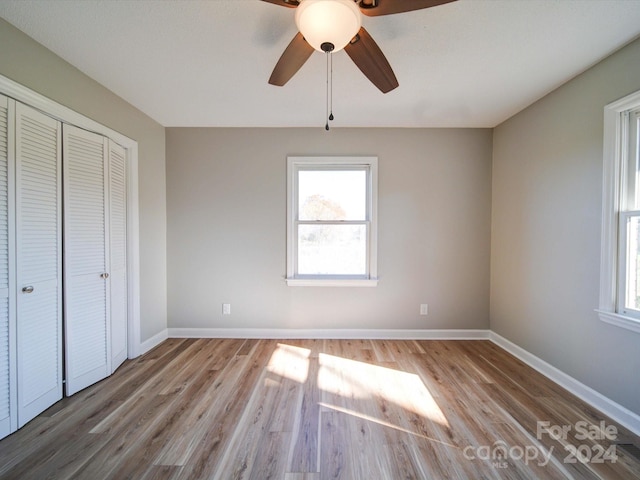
<point>358,380</point>
<point>290,362</point>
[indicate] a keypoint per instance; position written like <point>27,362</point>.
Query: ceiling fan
<point>332,25</point>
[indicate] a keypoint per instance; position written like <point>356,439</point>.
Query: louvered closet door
<point>87,328</point>
<point>39,267</point>
<point>8,412</point>
<point>118,250</point>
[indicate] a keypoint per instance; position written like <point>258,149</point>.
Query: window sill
<point>618,320</point>
<point>332,282</point>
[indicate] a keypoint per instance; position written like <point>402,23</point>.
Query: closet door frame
<point>23,94</point>
<point>11,267</point>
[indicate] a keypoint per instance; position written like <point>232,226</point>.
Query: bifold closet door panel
<point>86,293</point>
<point>118,253</point>
<point>39,261</point>
<point>8,411</point>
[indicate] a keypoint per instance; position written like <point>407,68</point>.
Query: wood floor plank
<point>55,462</point>
<point>200,355</point>
<point>305,447</point>
<point>163,431</point>
<point>192,430</point>
<point>301,476</point>
<point>247,346</point>
<point>124,437</point>
<point>535,462</point>
<point>268,411</point>
<point>384,351</point>
<point>335,448</point>
<point>84,411</point>
<point>406,463</point>
<point>269,462</point>
<point>313,345</point>
<point>161,472</point>
<point>216,429</point>
<point>312,409</point>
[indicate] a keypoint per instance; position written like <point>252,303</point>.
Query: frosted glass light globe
<point>328,21</point>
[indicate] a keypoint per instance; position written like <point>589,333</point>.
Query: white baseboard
<point>288,333</point>
<point>607,406</point>
<point>154,341</point>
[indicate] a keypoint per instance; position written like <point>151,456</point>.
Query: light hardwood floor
<point>322,409</point>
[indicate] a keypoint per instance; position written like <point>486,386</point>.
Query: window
<point>331,221</point>
<point>628,301</point>
<point>620,260</point>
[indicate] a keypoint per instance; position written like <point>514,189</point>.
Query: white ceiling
<point>471,63</point>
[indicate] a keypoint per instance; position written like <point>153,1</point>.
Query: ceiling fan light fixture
<point>328,21</point>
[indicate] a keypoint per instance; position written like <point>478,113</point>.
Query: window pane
<point>332,195</point>
<point>633,258</point>
<point>634,155</point>
<point>332,249</point>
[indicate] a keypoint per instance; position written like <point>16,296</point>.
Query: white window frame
<point>294,164</point>
<point>616,153</point>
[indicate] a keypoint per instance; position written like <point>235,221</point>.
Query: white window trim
<point>325,281</point>
<point>614,150</point>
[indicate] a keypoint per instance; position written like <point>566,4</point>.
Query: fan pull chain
<point>326,109</point>
<point>329,106</point>
<point>326,125</point>
<point>328,47</point>
<point>331,89</point>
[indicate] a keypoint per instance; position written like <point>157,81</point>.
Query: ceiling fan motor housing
<point>327,47</point>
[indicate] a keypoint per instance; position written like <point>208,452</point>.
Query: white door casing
<point>8,396</point>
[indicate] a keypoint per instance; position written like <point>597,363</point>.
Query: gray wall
<point>545,263</point>
<point>226,216</point>
<point>30,64</point>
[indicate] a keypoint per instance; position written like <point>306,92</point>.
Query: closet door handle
<point>28,289</point>
<point>104,275</point>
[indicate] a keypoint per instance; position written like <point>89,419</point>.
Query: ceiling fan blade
<point>368,57</point>
<point>291,60</point>
<point>374,8</point>
<point>284,3</point>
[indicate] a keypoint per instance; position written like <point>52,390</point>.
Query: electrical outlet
<point>424,309</point>
<point>226,309</point>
